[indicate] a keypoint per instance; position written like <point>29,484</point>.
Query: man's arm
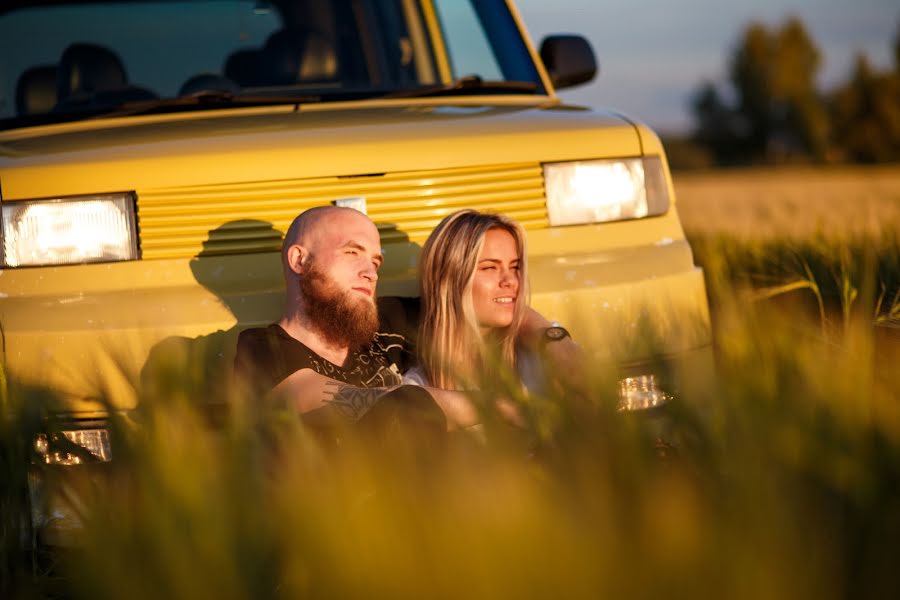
<point>305,391</point>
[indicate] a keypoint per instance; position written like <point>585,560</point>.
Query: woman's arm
<point>564,359</point>
<point>564,354</point>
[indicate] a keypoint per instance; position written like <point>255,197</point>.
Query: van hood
<point>276,143</point>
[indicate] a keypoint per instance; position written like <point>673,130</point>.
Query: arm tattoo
<point>353,402</point>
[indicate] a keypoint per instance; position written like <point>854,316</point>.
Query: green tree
<point>897,51</point>
<point>719,128</point>
<point>774,75</point>
<point>794,65</point>
<point>750,77</point>
<point>866,114</point>
<point>778,111</point>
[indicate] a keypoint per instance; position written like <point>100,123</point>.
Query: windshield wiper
<point>468,85</point>
<point>208,99</point>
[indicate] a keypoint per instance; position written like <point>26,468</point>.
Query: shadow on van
<point>198,369</point>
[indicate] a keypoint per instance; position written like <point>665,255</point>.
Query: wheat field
<point>790,203</point>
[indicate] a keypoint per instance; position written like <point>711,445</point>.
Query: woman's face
<point>495,287</point>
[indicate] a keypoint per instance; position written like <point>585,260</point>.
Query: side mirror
<point>569,60</point>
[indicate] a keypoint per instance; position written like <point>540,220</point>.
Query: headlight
<point>596,191</point>
<point>63,231</point>
<point>640,393</point>
<point>73,447</point>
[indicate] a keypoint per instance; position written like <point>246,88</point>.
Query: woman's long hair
<point>452,350</point>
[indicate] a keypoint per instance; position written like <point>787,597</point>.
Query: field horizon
<point>793,202</point>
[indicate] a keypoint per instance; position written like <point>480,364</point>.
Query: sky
<point>654,54</point>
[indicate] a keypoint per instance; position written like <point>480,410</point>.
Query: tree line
<point>773,112</point>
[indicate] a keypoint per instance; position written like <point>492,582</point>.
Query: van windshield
<point>71,60</point>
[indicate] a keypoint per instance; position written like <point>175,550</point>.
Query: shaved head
<point>313,225</point>
<point>305,224</point>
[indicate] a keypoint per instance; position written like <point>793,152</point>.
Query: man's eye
<point>351,251</point>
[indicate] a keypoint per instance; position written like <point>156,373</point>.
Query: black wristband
<point>554,333</point>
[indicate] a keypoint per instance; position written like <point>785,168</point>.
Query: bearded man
<point>325,356</point>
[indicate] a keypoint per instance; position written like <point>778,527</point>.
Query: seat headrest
<point>242,67</point>
<point>87,69</point>
<point>36,90</point>
<point>298,55</point>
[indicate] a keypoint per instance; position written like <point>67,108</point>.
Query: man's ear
<point>296,258</point>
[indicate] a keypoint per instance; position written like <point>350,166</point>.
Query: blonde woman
<point>474,288</point>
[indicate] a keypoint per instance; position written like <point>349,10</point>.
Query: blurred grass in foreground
<point>783,481</point>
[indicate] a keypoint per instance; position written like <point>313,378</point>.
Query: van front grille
<point>252,217</point>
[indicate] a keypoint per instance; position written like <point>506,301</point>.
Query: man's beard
<point>342,318</point>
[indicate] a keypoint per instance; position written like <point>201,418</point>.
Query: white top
<point>528,367</point>
<point>415,376</point>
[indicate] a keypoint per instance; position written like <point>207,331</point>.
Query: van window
<point>66,60</point>
<point>468,46</point>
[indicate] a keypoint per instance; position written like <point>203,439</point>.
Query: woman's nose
<point>508,278</point>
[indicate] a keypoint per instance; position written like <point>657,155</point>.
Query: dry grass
<point>784,486</point>
<point>790,203</point>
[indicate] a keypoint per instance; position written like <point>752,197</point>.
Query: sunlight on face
<point>495,286</point>
<point>349,251</point>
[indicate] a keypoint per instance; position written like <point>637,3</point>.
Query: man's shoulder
<point>254,333</point>
<point>266,355</point>
<point>256,338</point>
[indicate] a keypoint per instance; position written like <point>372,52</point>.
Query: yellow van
<point>152,153</point>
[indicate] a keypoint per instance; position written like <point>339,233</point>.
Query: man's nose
<point>370,272</point>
